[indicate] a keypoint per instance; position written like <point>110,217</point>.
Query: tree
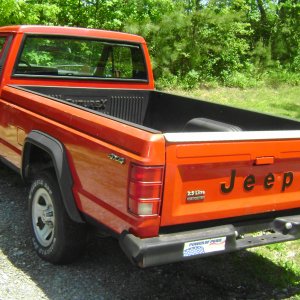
<point>198,39</point>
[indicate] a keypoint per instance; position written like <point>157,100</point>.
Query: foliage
<point>233,42</point>
<point>196,47</point>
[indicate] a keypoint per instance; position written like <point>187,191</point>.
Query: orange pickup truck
<point>172,178</point>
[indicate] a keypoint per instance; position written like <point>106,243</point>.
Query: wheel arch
<point>54,155</point>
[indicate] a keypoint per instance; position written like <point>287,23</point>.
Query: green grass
<point>284,270</point>
<point>286,256</point>
<point>284,101</point>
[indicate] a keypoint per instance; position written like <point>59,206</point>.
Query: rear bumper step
<point>168,248</point>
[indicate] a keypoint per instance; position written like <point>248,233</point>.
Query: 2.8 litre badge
<point>196,195</point>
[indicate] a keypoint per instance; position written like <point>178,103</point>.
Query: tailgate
<point>212,180</point>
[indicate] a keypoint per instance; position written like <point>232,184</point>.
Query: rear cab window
<point>48,56</point>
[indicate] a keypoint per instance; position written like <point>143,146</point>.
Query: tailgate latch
<point>264,160</point>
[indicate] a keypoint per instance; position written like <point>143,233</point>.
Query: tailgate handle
<point>264,160</point>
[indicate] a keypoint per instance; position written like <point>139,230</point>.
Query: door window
<point>4,49</point>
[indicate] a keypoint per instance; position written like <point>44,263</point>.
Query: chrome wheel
<point>43,217</point>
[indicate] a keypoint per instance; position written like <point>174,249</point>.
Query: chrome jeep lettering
<point>250,181</point>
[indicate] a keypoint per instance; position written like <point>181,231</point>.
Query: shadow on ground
<point>105,273</point>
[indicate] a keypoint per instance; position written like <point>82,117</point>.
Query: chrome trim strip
<point>231,136</point>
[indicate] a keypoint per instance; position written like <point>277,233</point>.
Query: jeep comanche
<point>172,178</point>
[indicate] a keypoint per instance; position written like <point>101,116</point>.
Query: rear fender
<point>57,152</point>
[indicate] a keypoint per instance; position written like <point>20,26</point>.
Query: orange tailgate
<point>214,180</point>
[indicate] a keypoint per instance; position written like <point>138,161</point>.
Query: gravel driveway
<point>105,273</point>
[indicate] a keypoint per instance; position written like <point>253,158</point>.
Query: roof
<point>73,31</point>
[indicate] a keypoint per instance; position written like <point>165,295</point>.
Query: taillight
<point>145,190</point>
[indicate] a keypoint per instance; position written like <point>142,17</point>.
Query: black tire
<point>56,238</point>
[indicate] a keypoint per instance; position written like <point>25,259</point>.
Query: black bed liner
<point>164,112</point>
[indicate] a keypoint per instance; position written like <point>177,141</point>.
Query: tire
<point>56,238</point>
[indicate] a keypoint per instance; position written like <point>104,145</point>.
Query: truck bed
<point>162,112</point>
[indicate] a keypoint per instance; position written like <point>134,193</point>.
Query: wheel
<point>56,238</point>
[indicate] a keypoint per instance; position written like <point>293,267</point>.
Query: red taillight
<point>145,189</point>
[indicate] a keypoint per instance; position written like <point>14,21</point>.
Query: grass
<point>283,101</point>
<point>284,255</point>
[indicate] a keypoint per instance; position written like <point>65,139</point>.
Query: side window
<point>2,43</point>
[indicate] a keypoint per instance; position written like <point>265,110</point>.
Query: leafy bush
<point>279,76</point>
<point>190,80</point>
<point>295,66</point>
<point>167,80</point>
<point>240,80</point>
